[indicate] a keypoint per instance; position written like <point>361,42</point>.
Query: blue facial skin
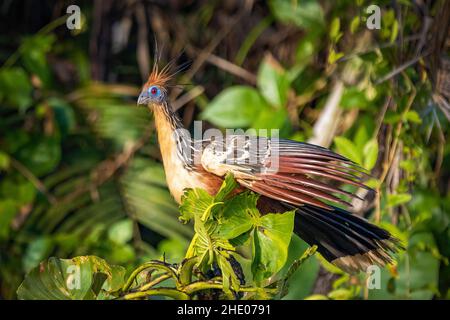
<point>152,94</point>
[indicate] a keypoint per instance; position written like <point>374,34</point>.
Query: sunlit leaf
<point>394,200</point>
<point>273,82</point>
<point>270,243</point>
<point>348,149</point>
<point>235,107</point>
<point>370,153</point>
<point>121,231</point>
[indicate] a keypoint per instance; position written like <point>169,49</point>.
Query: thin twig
<point>232,68</point>
<point>401,68</point>
<point>190,95</point>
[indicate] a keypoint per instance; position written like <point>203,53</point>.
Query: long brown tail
<point>348,241</point>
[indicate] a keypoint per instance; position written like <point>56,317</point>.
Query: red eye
<point>153,91</point>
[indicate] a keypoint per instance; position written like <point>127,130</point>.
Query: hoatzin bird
<point>305,181</point>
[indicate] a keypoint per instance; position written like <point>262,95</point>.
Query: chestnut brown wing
<point>293,172</point>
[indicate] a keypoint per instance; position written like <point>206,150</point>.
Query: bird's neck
<point>166,119</point>
<point>168,126</point>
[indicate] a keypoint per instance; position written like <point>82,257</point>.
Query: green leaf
<point>41,155</point>
<point>354,98</point>
<point>354,24</point>
<point>316,297</point>
<point>334,56</point>
<point>305,14</point>
<point>227,187</point>
<point>361,136</point>
<point>121,232</point>
<point>370,153</point>
<point>413,116</point>
<point>15,88</point>
<point>271,240</point>
<point>271,119</point>
<point>230,279</point>
<point>37,250</point>
<point>301,267</point>
<point>235,107</point>
<point>392,117</point>
<point>80,278</point>
<point>64,114</point>
<point>34,51</point>
<point>394,200</point>
<point>194,202</point>
<point>394,32</point>
<point>348,149</point>
<point>341,294</point>
<point>273,82</point>
<point>237,214</point>
<point>335,27</point>
<point>305,50</point>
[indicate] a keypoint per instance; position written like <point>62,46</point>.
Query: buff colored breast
<point>177,176</point>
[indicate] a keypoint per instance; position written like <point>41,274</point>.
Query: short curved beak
<point>143,98</point>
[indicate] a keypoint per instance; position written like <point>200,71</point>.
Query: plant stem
<point>168,292</point>
<point>185,271</point>
<point>207,285</point>
<point>151,264</point>
<point>160,279</point>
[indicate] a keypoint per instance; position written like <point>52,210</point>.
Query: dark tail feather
<point>348,241</point>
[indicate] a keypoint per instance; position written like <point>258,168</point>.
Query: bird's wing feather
<point>285,170</point>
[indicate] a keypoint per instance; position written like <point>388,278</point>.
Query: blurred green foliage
<point>80,171</point>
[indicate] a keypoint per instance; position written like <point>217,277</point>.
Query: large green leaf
<point>80,278</point>
<point>273,82</point>
<point>197,202</point>
<point>235,219</point>
<point>235,107</point>
<point>270,243</point>
<point>348,149</point>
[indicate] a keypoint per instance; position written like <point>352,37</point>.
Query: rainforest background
<point>80,169</point>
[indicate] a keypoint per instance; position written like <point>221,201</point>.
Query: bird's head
<point>154,91</point>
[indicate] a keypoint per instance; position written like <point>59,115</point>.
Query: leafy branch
<point>235,253</point>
